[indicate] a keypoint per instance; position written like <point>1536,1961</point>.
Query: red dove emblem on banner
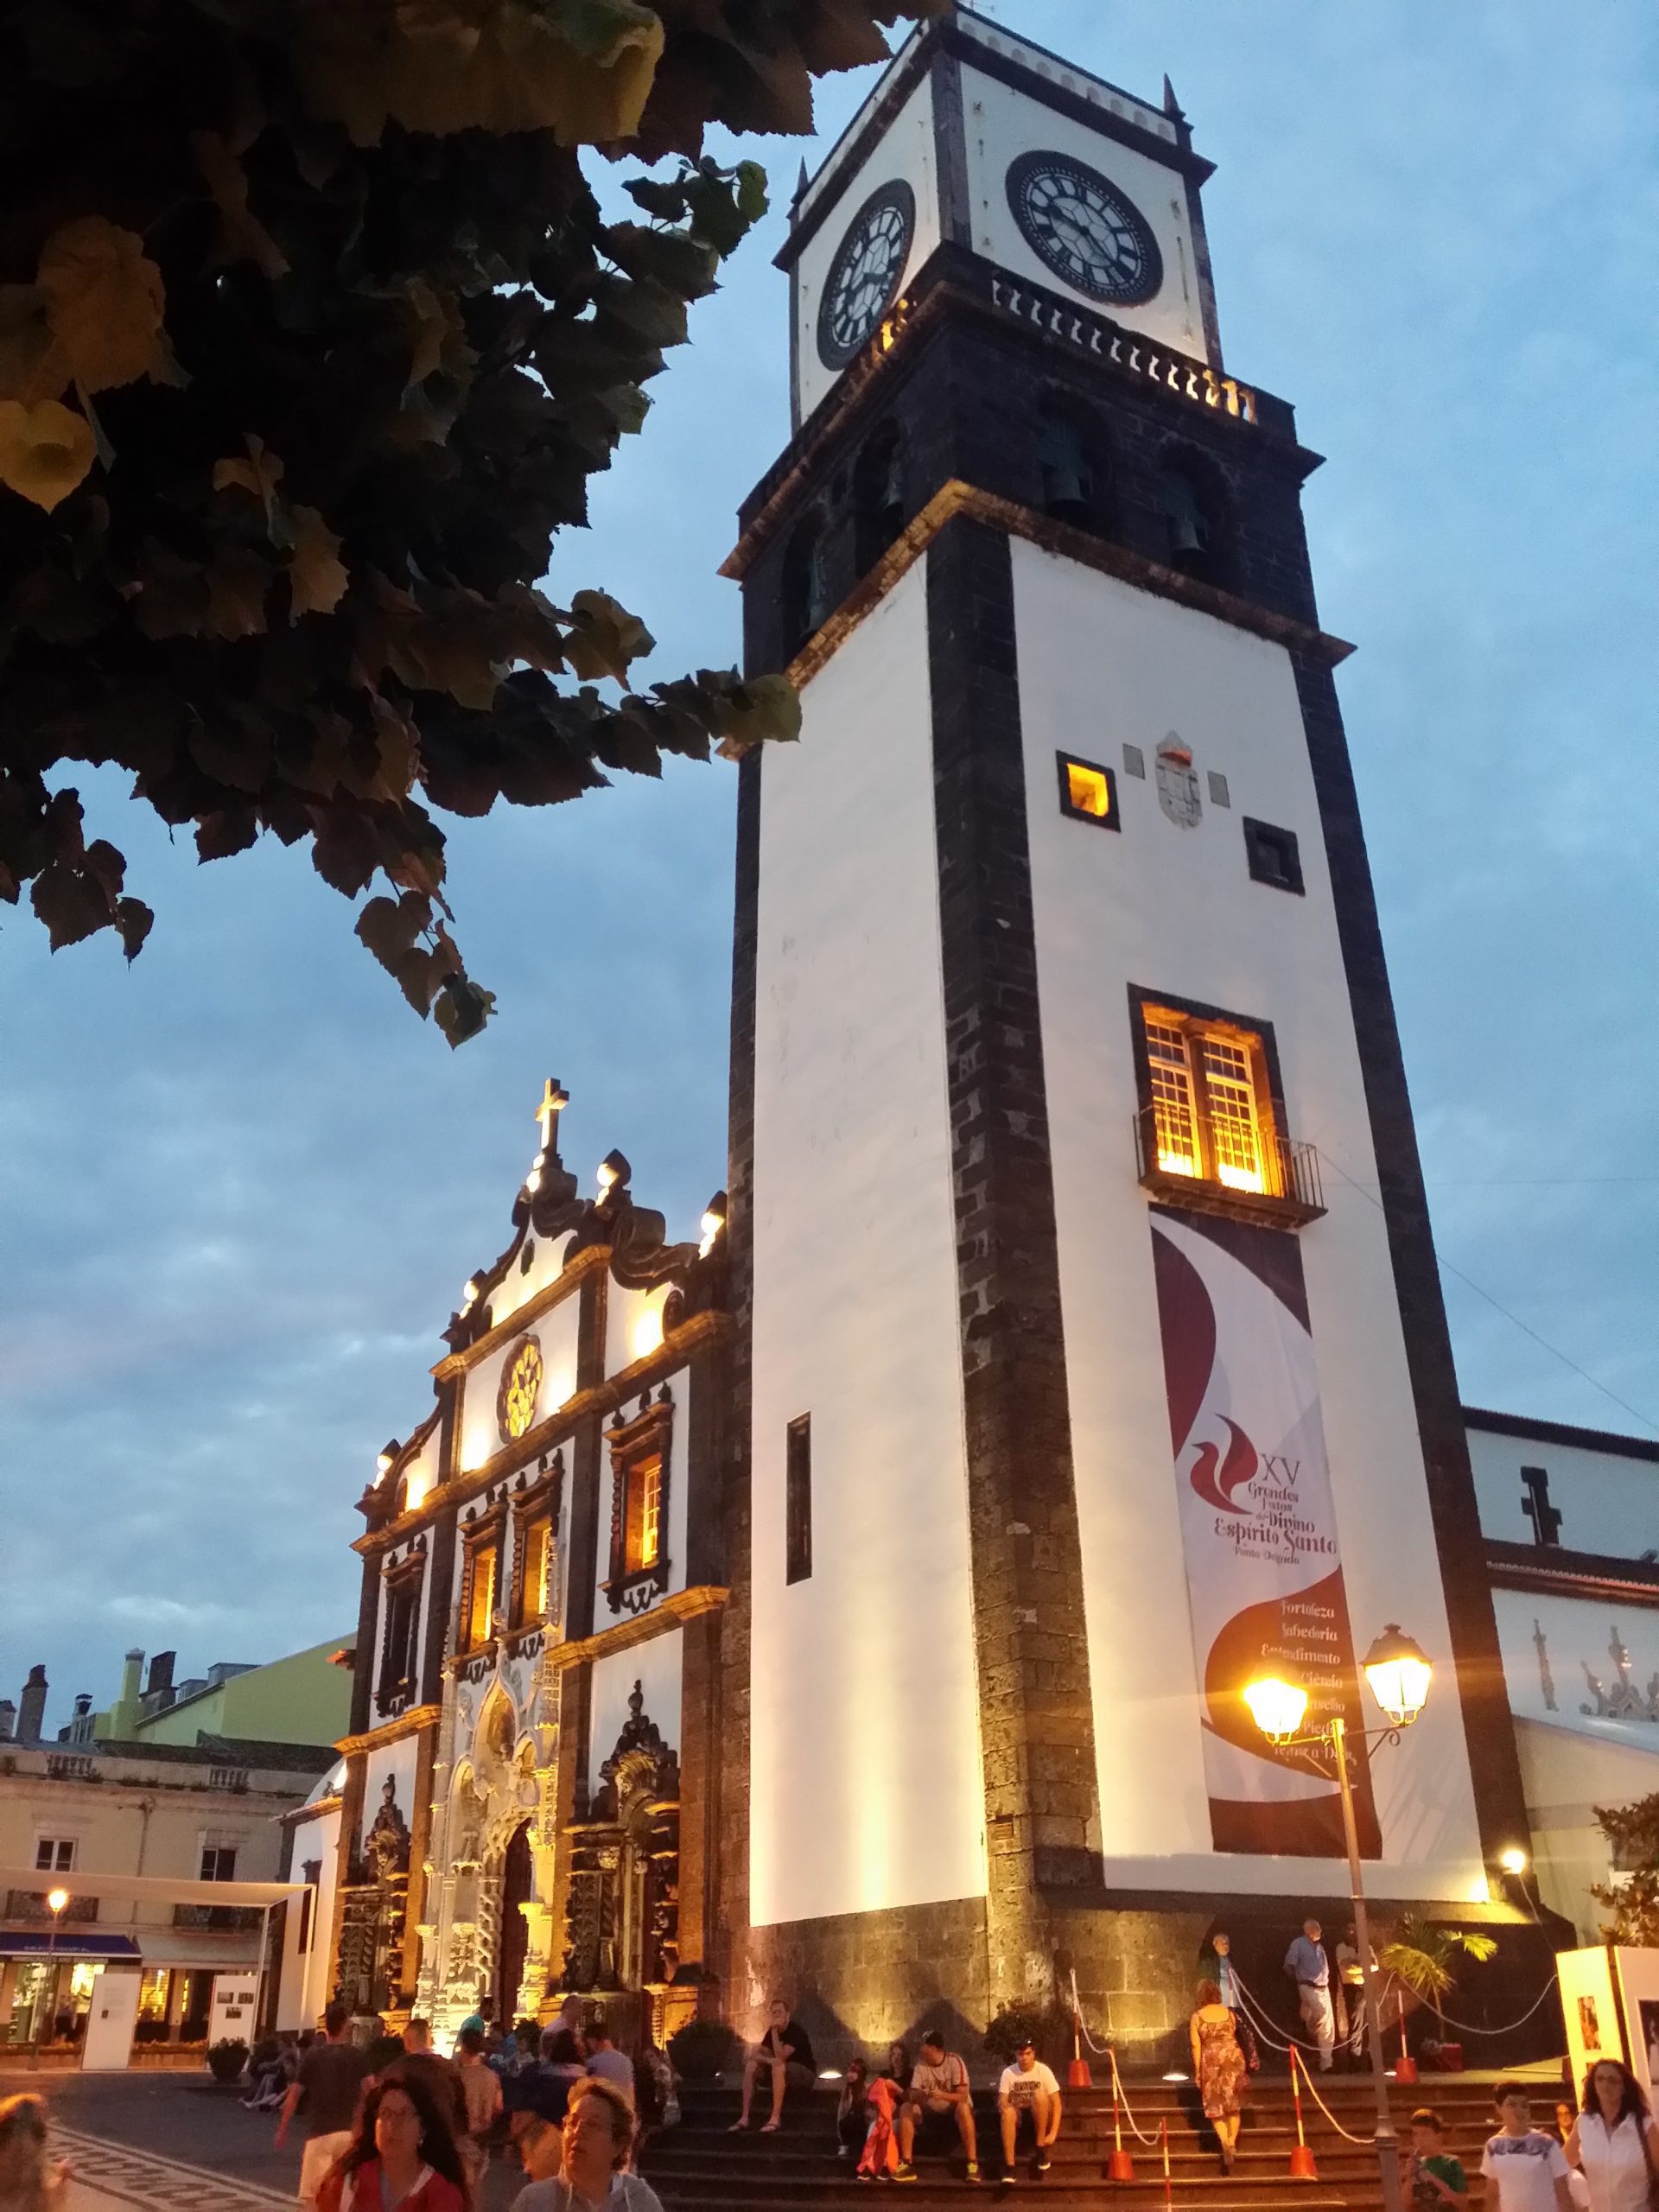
<point>1217,1480</point>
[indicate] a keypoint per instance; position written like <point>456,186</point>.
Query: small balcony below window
<point>1280,1186</point>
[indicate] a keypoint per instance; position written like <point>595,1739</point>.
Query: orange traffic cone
<point>1405,2067</point>
<point>1119,2166</point>
<point>1077,2074</point>
<point>1302,2167</point>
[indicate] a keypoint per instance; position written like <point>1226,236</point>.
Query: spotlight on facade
<point>387,1455</point>
<point>1277,1704</point>
<point>1514,1860</point>
<point>1399,1672</point>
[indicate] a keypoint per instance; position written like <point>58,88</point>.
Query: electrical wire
<point>1497,1306</point>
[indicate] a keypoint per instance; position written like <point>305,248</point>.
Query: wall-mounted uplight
<point>1514,1860</point>
<point>387,1456</point>
<point>469,1294</point>
<point>714,1220</point>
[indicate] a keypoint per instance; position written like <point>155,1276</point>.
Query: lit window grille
<point>1173,1109</point>
<point>645,1545</point>
<point>1206,1094</point>
<point>1230,1093</point>
<point>537,1551</point>
<point>481,1611</point>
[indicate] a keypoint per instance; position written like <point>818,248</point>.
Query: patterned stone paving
<point>141,2177</point>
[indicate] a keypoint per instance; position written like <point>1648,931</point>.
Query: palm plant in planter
<point>1421,1958</point>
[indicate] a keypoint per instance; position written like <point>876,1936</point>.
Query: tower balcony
<point>1282,1190</point>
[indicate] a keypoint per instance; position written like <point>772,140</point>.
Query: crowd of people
<point>394,2125</point>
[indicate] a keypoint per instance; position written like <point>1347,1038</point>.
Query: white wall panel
<point>855,1315</point>
<point>1608,1504</point>
<point>656,1666</point>
<point>556,1332</point>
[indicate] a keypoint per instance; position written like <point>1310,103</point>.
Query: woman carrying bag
<point>1612,2142</point>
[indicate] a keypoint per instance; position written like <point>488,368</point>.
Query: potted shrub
<point>226,2058</point>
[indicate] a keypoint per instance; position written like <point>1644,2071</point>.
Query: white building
<point>1571,1521</point>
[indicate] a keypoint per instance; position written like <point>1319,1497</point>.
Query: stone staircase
<point>700,2164</point>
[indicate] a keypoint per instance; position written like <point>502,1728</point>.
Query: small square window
<point>1088,792</point>
<point>1219,794</point>
<point>1135,762</point>
<point>55,1855</point>
<point>1274,856</point>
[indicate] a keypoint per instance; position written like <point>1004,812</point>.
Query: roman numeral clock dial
<point>1084,229</point>
<point>865,273</point>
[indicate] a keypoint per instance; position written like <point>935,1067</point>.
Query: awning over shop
<point>71,1943</point>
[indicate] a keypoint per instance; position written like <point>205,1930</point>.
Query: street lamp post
<point>1399,1675</point>
<point>56,1900</point>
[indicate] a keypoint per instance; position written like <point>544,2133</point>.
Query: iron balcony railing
<point>1287,1194</point>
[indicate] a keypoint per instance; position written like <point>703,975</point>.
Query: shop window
<point>797,1500</point>
<point>1210,1131</point>
<point>1088,792</point>
<point>1274,856</point>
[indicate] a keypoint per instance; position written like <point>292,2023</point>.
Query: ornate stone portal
<point>622,1920</point>
<point>373,1920</point>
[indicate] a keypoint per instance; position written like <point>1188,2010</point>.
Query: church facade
<point>854,1603</point>
<point>525,1797</point>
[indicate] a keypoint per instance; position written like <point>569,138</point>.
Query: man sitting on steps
<point>939,2108</point>
<point>1027,2087</point>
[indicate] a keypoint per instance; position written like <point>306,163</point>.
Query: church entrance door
<point>515,1931</point>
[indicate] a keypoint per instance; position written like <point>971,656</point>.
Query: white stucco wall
<point>906,153</point>
<point>656,1666</point>
<point>397,1760</point>
<point>679,1385</point>
<point>1003,123</point>
<point>855,1312</point>
<point>556,1332</point>
<point>305,1985</point>
<point>633,1326</point>
<point>1174,909</point>
<point>520,1284</point>
<point>1608,1501</point>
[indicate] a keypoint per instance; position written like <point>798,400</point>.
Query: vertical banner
<point>1258,1527</point>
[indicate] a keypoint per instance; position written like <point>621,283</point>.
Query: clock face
<point>1084,229</point>
<point>864,275</point>
<point>521,1384</point>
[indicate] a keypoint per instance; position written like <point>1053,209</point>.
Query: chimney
<point>31,1710</point>
<point>158,1684</point>
<point>8,1721</point>
<point>131,1673</point>
<point>83,1704</point>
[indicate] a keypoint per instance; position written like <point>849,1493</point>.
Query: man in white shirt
<point>1525,2169</point>
<point>1027,2086</point>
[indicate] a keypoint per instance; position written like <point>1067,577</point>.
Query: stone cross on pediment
<point>555,1099</point>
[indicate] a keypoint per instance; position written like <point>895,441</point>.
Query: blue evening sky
<point>244,1186</point>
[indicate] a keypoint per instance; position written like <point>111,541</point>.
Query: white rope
<point>1105,2050</point>
<point>1117,2091</point>
<point>1363,2141</point>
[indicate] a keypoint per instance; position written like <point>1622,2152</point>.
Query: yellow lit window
<point>533,1599</point>
<point>644,1543</point>
<point>1088,792</point>
<point>481,1596</point>
<point>1209,1112</point>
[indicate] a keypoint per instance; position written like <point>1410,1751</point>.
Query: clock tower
<point>1092,1357</point>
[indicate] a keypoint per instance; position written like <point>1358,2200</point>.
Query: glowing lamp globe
<point>1398,1672</point>
<point>57,1899</point>
<point>1514,1860</point>
<point>1277,1706</point>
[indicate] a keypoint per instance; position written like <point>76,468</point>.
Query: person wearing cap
<point>1027,2087</point>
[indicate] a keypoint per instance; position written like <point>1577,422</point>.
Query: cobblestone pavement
<point>179,2143</point>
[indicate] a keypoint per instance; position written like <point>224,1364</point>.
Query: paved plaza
<point>179,2143</point>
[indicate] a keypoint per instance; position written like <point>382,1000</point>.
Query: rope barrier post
<point>1405,2067</point>
<point>1169,2201</point>
<point>1079,2075</point>
<point>1119,2166</point>
<point>1302,2167</point>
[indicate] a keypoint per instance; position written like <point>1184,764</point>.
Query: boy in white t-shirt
<point>1027,2086</point>
<point>1526,2170</point>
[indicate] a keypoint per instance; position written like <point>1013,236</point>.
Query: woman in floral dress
<point>1219,2065</point>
